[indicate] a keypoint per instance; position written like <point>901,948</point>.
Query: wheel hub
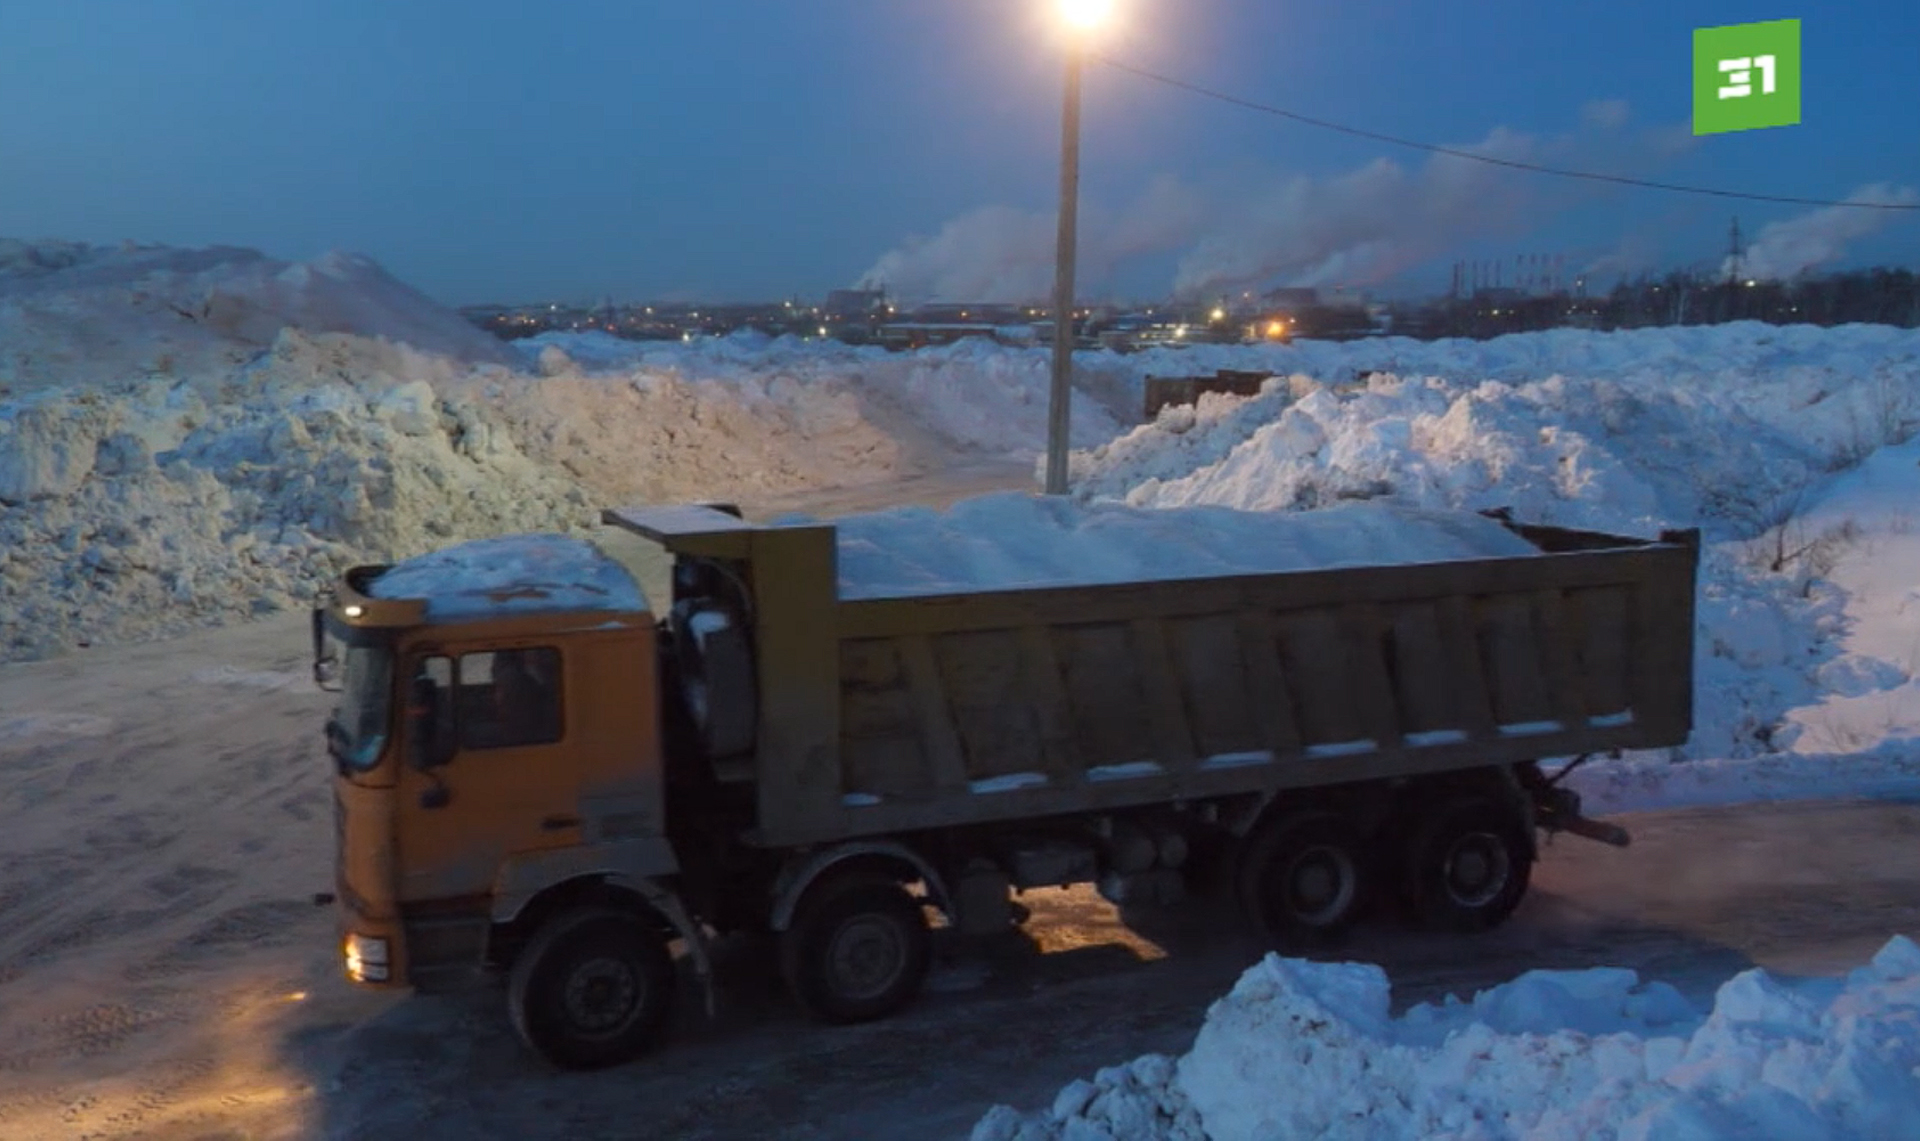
<point>602,996</point>
<point>1318,885</point>
<point>1477,869</point>
<point>867,956</point>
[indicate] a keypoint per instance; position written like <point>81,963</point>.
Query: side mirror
<point>429,740</point>
<point>326,666</point>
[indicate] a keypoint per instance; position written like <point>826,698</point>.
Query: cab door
<point>507,777</point>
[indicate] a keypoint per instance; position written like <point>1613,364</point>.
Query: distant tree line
<point>1870,296</point>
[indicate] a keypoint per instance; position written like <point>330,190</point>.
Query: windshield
<point>358,729</point>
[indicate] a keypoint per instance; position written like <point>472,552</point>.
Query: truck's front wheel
<point>858,950</point>
<point>595,987</point>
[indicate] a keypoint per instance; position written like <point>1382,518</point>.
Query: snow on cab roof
<point>510,576</point>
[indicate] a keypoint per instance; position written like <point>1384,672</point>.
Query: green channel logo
<point>1746,76</point>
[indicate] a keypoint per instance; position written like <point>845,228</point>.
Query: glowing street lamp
<point>1086,16</point>
<point>1082,20</point>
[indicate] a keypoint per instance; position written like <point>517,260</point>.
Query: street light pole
<point>1062,388</point>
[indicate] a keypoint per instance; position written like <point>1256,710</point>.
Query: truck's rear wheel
<point>858,950</point>
<point>1303,879</point>
<point>594,987</point>
<point>1467,865</point>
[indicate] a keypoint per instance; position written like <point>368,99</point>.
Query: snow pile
<point>1733,428</point>
<point>512,575</point>
<point>1870,689</point>
<point>152,511</point>
<point>998,542</point>
<point>973,396</point>
<point>650,437</point>
<point>1627,430</point>
<point>184,441</point>
<point>75,314</point>
<point>1302,1049</point>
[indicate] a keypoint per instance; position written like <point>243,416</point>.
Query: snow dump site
<point>193,437</point>
<point>199,438</point>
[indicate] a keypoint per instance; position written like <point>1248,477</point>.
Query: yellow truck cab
<point>541,780</point>
<point>497,736</point>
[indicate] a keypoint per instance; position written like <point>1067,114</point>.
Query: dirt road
<point>164,819</point>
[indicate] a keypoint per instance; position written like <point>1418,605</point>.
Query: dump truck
<point>1162,391</point>
<point>545,782</point>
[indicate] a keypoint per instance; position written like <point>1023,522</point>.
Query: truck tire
<point>1467,865</point>
<point>595,987</point>
<point>717,678</point>
<point>1303,878</point>
<point>858,950</point>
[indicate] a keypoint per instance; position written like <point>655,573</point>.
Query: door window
<point>509,698</point>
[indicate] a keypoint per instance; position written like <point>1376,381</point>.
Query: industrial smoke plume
<point>1791,247</point>
<point>1355,228</point>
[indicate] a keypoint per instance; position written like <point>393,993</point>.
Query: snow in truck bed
<point>511,576</point>
<point>1012,540</point>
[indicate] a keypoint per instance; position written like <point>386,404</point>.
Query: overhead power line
<point>1591,176</point>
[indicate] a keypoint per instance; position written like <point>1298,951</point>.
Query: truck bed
<point>890,715</point>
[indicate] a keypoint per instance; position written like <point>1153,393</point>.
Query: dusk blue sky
<point>761,148</point>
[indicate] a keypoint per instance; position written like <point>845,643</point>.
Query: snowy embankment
<point>239,429</point>
<point>195,436</point>
<point>1738,429</point>
<point>1310,1050</point>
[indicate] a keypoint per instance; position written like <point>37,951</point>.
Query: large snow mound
<point>72,313</point>
<point>973,395</point>
<point>194,436</point>
<point>1631,430</point>
<point>152,511</point>
<point>1734,428</point>
<point>1309,1050</point>
<point>998,542</point>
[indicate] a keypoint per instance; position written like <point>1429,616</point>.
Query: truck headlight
<point>366,958</point>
